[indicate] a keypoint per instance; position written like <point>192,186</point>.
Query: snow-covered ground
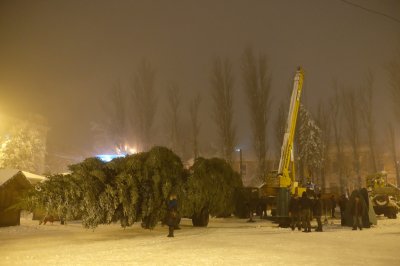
<point>224,242</point>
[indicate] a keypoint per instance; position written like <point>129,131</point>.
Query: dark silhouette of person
<point>318,212</point>
<point>305,207</point>
<point>172,215</point>
<point>357,210</point>
<point>294,212</point>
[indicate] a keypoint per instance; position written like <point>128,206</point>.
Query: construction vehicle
<point>279,185</point>
<point>385,197</point>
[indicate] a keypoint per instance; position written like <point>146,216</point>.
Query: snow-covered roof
<point>6,174</point>
<point>33,178</point>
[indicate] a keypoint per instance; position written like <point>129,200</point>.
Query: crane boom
<point>288,139</point>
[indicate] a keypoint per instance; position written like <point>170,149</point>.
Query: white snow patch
<point>224,242</point>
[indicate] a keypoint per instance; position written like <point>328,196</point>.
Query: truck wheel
<point>381,200</point>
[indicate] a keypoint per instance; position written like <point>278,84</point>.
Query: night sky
<point>58,58</point>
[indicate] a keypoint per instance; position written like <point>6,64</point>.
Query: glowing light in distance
<point>109,157</point>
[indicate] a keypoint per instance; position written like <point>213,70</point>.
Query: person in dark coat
<point>172,215</point>
<point>305,207</point>
<point>333,206</point>
<point>357,210</point>
<point>342,205</point>
<point>294,212</point>
<point>317,212</point>
<point>364,197</point>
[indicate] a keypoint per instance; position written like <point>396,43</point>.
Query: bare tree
<point>280,120</point>
<point>112,130</point>
<point>195,124</point>
<point>144,102</point>
<point>222,93</point>
<point>174,101</point>
<point>393,69</point>
<point>393,151</point>
<point>366,106</point>
<point>325,124</point>
<point>280,123</point>
<point>257,86</point>
<point>352,119</point>
<point>337,130</point>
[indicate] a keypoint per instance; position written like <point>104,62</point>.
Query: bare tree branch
<point>257,86</point>
<point>194,119</point>
<point>144,102</point>
<point>325,124</point>
<point>392,138</point>
<point>352,118</point>
<point>337,120</point>
<point>174,101</point>
<point>366,106</point>
<point>222,93</point>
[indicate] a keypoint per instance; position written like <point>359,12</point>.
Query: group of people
<point>302,209</point>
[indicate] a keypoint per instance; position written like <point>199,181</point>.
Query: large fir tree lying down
<point>136,188</point>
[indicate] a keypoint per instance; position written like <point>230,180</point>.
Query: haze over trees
<point>347,119</point>
<point>351,109</point>
<point>222,94</point>
<point>113,130</point>
<point>393,70</point>
<point>336,118</point>
<point>173,117</point>
<point>144,103</point>
<point>366,95</point>
<point>324,123</point>
<point>194,108</point>
<point>257,87</point>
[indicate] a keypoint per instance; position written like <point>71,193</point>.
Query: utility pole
<point>240,162</point>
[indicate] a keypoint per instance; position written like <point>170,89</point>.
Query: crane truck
<point>279,185</point>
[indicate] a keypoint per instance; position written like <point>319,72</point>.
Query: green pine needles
<point>136,188</point>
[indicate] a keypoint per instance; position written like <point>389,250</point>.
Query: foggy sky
<point>58,58</point>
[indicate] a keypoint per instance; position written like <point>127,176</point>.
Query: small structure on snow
<point>13,184</point>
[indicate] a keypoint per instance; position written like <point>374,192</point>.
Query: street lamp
<point>240,162</point>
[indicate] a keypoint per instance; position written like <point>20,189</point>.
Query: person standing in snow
<point>172,215</point>
<point>357,211</point>
<point>294,212</point>
<point>333,205</point>
<point>305,207</point>
<point>317,211</point>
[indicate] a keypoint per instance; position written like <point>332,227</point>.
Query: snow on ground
<point>228,241</point>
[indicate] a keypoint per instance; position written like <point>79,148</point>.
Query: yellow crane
<point>286,178</point>
<point>280,185</point>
